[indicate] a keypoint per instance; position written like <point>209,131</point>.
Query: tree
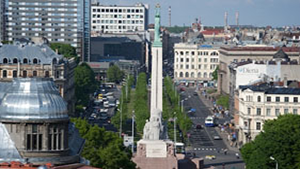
<point>66,50</point>
<point>85,83</point>
<point>215,74</point>
<point>114,74</point>
<point>280,139</point>
<point>223,100</point>
<point>102,148</point>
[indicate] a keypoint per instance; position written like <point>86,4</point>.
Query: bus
<point>180,148</point>
<point>210,121</point>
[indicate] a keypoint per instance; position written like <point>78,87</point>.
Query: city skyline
<point>275,13</point>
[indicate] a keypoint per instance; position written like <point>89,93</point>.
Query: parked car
<point>106,104</point>
<point>217,137</point>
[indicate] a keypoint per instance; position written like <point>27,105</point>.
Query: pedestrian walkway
<point>196,118</point>
<point>204,149</point>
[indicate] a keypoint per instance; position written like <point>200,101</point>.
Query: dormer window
<point>25,60</point>
<point>54,61</point>
<point>35,61</point>
<point>15,60</point>
<point>5,60</point>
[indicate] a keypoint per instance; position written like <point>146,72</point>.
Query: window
<point>57,74</point>
<point>295,99</point>
<point>4,74</point>
<point>25,60</point>
<point>277,113</point>
<point>35,61</point>
<point>205,59</point>
<point>199,66</point>
<point>187,60</point>
<point>15,73</point>
<point>286,111</point>
<point>277,99</point>
<point>258,99</point>
<point>268,112</point>
<point>286,99</point>
<point>187,66</point>
<point>5,60</point>
<point>199,60</point>
<point>258,111</point>
<point>258,126</point>
<point>24,74</point>
<point>268,99</point>
<point>34,73</point>
<point>34,138</point>
<point>193,60</point>
<point>15,60</point>
<point>295,111</point>
<point>249,110</point>
<point>55,139</point>
<point>187,74</point>
<point>181,59</point>
<point>47,74</point>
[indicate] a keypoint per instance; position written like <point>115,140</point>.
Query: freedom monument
<point>155,151</point>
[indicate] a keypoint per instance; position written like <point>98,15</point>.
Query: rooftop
<point>268,88</point>
<point>236,48</point>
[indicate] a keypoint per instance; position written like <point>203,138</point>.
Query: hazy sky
<point>251,12</point>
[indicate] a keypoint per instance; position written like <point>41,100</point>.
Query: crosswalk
<point>196,118</point>
<point>204,149</point>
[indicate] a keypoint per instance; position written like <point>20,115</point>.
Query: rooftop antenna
<point>237,19</point>
<point>226,21</point>
<point>170,16</point>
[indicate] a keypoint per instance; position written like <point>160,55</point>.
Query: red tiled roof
<point>212,31</point>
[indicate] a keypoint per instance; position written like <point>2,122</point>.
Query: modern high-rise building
<point>2,20</point>
<point>114,19</point>
<point>63,21</point>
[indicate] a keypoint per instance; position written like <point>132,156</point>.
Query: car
<point>192,110</point>
<point>210,157</point>
<point>216,137</point>
<point>182,89</point>
<point>195,94</point>
<point>199,126</point>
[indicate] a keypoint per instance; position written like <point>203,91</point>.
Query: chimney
<point>285,81</point>
<point>56,51</point>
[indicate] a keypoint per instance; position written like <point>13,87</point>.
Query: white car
<point>106,104</point>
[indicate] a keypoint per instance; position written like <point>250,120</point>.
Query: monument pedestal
<point>155,154</point>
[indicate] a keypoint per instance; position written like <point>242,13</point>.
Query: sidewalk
<point>223,135</point>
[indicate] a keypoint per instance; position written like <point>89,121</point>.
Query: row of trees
<point>102,148</point>
<point>280,139</point>
<point>141,102</point>
<point>173,98</point>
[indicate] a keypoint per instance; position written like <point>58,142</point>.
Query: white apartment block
<point>256,104</point>
<point>194,63</point>
<point>118,19</point>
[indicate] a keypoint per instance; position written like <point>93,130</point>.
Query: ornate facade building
<point>34,124</point>
<point>26,59</point>
<point>195,63</point>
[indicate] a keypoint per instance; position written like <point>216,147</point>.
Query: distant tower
<point>237,19</point>
<point>170,16</point>
<point>226,21</point>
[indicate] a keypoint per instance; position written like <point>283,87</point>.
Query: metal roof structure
<point>43,53</point>
<point>31,99</point>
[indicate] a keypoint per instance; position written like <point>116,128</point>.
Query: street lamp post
<point>132,148</point>
<point>121,118</point>
<point>175,132</point>
<point>272,158</point>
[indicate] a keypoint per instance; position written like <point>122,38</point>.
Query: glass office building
<point>64,21</point>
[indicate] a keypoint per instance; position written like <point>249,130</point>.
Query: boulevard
<point>201,141</point>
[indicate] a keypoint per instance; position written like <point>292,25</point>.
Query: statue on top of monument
<point>157,26</point>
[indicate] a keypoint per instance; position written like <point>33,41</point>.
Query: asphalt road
<point>201,140</point>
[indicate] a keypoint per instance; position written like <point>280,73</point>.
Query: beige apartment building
<point>194,63</point>
<point>256,104</point>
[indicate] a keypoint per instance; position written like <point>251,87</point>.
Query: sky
<point>275,13</point>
